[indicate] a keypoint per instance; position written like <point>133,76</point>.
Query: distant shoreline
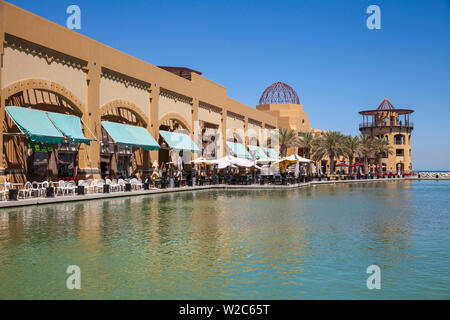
<point>437,171</point>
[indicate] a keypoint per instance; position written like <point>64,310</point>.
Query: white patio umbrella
<point>240,162</point>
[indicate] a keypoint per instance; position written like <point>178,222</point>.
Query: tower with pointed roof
<point>394,125</point>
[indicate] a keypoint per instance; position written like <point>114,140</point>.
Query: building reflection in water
<point>186,245</point>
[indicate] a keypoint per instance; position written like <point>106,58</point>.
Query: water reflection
<point>306,243</point>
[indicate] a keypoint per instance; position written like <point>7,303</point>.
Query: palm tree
<point>381,146</point>
<point>366,149</point>
<point>331,145</point>
<point>287,138</point>
<point>307,141</point>
<point>317,154</point>
<point>351,146</point>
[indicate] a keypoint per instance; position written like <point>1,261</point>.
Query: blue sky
<point>322,49</point>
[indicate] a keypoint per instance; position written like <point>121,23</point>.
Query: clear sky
<point>322,49</point>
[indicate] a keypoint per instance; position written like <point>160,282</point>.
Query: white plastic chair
<point>133,183</point>
<point>100,184</point>
<point>88,186</point>
<point>70,187</point>
<point>113,185</point>
<point>35,189</point>
<point>61,189</point>
<point>5,191</point>
<point>93,186</point>
<point>140,184</point>
<point>26,191</point>
<point>121,184</point>
<point>43,188</point>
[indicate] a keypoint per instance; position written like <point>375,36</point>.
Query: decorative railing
<point>381,125</point>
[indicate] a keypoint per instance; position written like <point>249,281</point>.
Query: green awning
<point>127,135</point>
<point>36,124</point>
<point>272,153</point>
<point>239,150</point>
<point>179,141</point>
<point>257,151</point>
<point>70,126</point>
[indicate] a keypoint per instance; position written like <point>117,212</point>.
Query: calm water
<point>295,244</point>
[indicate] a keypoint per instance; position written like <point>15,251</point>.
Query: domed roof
<point>279,92</point>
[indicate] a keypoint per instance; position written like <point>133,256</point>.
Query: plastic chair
<point>5,191</point>
<point>70,187</point>
<point>35,189</point>
<point>43,188</point>
<point>61,188</point>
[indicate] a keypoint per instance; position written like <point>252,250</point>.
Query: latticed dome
<point>279,92</point>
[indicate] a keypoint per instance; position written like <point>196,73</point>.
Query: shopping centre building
<point>52,69</point>
<point>72,107</point>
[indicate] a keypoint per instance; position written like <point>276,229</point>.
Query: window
<point>123,163</point>
<point>399,152</point>
<point>66,163</point>
<point>399,139</point>
<point>40,162</point>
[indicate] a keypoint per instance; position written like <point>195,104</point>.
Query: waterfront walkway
<point>96,196</point>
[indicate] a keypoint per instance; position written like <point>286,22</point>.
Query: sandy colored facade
<point>48,67</point>
<point>395,127</point>
<point>289,115</point>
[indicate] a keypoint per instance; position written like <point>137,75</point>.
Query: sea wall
<point>432,175</point>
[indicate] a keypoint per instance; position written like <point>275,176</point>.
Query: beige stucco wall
<point>255,131</point>
<point>255,127</point>
<point>235,126</point>
<point>169,105</point>
<point>209,116</point>
<point>234,123</point>
<point>19,65</point>
<point>111,90</point>
<point>390,132</point>
<point>289,115</point>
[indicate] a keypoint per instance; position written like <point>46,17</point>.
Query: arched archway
<point>123,111</point>
<point>25,160</point>
<point>236,135</point>
<point>171,122</point>
<point>43,94</point>
<point>115,160</point>
<point>174,119</point>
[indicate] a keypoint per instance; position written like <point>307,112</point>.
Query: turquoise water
<point>311,243</point>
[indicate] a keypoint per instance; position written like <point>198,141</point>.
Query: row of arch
<point>51,96</point>
<point>117,110</point>
<point>399,139</point>
<point>18,158</point>
<point>78,108</point>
